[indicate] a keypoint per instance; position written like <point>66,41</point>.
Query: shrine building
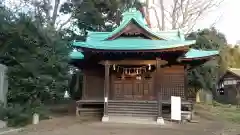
<point>134,71</point>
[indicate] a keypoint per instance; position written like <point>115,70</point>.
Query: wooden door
<point>128,90</point>
<point>133,89</point>
<point>118,90</point>
<point>138,90</point>
<point>123,90</point>
<point>143,90</point>
<point>148,90</point>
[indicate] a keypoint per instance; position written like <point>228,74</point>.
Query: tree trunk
<point>162,14</point>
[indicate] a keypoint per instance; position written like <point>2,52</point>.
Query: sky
<point>227,14</point>
<point>229,22</point>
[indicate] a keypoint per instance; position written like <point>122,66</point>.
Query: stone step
<point>130,119</point>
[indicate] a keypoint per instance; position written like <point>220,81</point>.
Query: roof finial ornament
<point>118,17</point>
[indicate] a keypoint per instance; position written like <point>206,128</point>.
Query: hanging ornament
<point>149,67</point>
<point>114,67</point>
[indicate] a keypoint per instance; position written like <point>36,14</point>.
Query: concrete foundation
<point>160,121</point>
<point>132,120</point>
<point>105,118</point>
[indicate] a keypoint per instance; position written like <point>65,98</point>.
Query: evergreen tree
<point>37,69</point>
<point>205,75</point>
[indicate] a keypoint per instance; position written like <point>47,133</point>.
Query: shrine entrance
<point>133,84</point>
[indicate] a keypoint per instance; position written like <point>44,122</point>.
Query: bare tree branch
<point>185,13</point>
<point>162,14</point>
<point>64,23</point>
<point>217,20</point>
<point>55,11</point>
<point>156,16</point>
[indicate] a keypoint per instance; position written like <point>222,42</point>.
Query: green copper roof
<point>193,53</point>
<point>133,44</point>
<point>76,55</point>
<point>171,39</point>
<point>136,16</point>
<point>168,35</point>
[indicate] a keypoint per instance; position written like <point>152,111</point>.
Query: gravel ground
<point>75,126</point>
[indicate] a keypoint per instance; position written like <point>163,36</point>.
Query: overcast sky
<point>229,22</point>
<point>227,18</point>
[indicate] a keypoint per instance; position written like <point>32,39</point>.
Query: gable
<point>134,29</point>
<point>229,76</point>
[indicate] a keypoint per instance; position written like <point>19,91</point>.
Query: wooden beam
<point>134,62</point>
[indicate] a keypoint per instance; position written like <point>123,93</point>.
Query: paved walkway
<point>73,126</point>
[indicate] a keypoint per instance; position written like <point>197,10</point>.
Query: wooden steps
<point>127,108</point>
<point>132,109</point>
<point>89,111</point>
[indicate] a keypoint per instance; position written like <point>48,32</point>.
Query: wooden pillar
<point>84,83</point>
<point>159,105</point>
<point>185,82</point>
<point>158,89</point>
<point>106,91</point>
<point>158,93</point>
<point>156,79</point>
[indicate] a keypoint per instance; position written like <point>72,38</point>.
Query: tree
<point>232,55</point>
<point>180,13</point>
<point>37,64</point>
<point>95,15</point>
<point>205,75</point>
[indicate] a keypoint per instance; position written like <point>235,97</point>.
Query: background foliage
<point>37,70</point>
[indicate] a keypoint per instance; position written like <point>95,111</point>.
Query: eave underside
<point>93,59</point>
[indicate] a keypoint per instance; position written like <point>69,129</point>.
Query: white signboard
<point>175,108</point>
